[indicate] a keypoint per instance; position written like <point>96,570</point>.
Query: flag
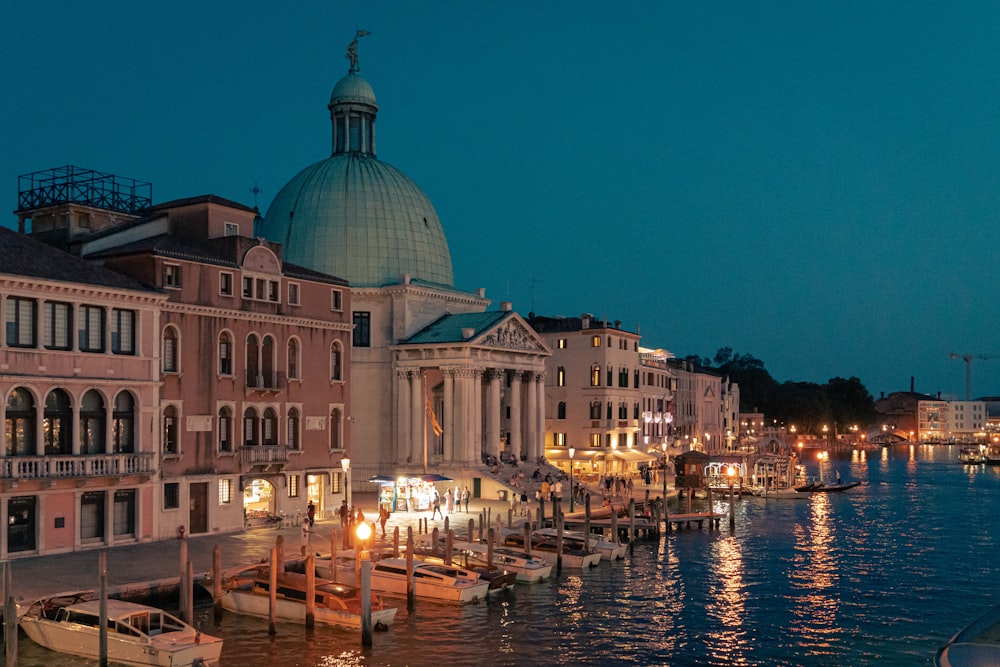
<point>438,430</point>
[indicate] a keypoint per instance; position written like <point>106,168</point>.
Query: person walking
<point>311,513</point>
<point>383,516</point>
<point>465,499</point>
<point>436,505</point>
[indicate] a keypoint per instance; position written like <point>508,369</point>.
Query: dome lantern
<point>352,108</point>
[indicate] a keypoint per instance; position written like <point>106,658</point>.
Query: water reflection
<point>815,581</point>
<point>727,603</point>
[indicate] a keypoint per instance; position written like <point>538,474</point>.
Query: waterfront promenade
<point>149,565</point>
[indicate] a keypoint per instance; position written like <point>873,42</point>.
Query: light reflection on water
<point>867,577</point>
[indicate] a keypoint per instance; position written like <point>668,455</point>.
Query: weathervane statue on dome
<point>352,50</point>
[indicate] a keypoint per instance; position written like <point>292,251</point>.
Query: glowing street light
<point>345,463</point>
<point>731,474</point>
<point>363,533</point>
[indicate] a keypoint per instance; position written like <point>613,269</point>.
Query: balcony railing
<point>259,455</point>
<point>84,465</point>
<point>270,380</point>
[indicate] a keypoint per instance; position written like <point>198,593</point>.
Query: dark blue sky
<point>812,183</point>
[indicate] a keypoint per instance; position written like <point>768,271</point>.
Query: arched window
<point>267,363</point>
<point>171,351</point>
<point>251,427</point>
<point>595,410</point>
<point>20,423</point>
<point>293,359</point>
<point>225,354</point>
<point>170,444</point>
<point>270,427</point>
<point>225,429</point>
<point>336,362</point>
<point>595,376</point>
<point>124,423</point>
<point>253,361</point>
<point>561,410</point>
<point>561,377</point>
<point>335,420</point>
<point>57,429</point>
<point>92,423</point>
<point>293,428</point>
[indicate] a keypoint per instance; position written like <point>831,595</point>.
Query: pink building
<point>80,397</point>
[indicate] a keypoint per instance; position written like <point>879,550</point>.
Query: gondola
<point>835,488</point>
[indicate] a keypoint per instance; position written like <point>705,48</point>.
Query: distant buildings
<point>921,418</point>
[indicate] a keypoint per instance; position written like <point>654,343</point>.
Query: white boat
<point>527,569</point>
<point>977,645</point>
<point>137,634</point>
<point>543,547</point>
<point>609,550</point>
<point>247,592</point>
<point>780,494</point>
<point>432,581</point>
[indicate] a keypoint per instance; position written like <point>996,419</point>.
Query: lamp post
<point>731,474</point>
<point>664,474</point>
<point>572,493</point>
<point>345,463</point>
<point>363,532</point>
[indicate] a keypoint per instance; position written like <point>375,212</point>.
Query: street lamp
<point>345,463</point>
<point>731,473</point>
<point>571,491</point>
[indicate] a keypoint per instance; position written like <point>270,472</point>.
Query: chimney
<point>585,321</point>
<point>505,306</point>
<point>911,384</point>
<point>467,333</point>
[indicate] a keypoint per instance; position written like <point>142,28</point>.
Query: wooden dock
<point>681,521</point>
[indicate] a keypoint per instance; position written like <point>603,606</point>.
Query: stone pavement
<point>152,565</point>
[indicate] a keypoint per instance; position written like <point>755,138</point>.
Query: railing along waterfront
<point>84,465</point>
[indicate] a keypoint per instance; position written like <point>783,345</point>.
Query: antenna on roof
<point>255,190</point>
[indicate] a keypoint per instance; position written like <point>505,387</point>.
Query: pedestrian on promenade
<point>383,516</point>
<point>311,513</point>
<point>449,501</point>
<point>524,503</point>
<point>436,505</point>
<point>465,499</point>
<point>305,537</point>
<point>343,512</point>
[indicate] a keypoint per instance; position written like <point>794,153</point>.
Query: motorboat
<point>781,494</point>
<point>247,592</point>
<point>526,569</point>
<point>577,557</point>
<point>971,456</point>
<point>609,550</point>
<point>431,581</point>
<point>499,579</point>
<point>137,634</point>
<point>976,645</point>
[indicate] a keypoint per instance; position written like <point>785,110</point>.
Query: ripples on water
<point>880,575</point>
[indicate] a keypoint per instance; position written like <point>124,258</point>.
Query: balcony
<point>264,381</point>
<point>68,467</point>
<point>270,457</point>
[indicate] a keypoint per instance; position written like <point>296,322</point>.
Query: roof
<point>448,328</point>
<point>21,255</point>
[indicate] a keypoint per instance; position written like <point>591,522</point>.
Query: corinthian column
<point>448,418</point>
<point>515,414</point>
<point>531,419</point>
<point>416,417</point>
<point>402,415</point>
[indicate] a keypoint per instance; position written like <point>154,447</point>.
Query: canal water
<point>880,575</point>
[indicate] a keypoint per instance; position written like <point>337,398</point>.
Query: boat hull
<point>249,603</point>
<point>172,649</point>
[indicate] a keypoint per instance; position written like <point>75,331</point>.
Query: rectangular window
<point>559,440</point>
<point>362,329</point>
<point>21,327</point>
<point>92,516</point>
<point>248,288</point>
<point>595,341</point>
<point>272,290</point>
<point>122,331</point>
<point>293,294</point>
<point>124,513</point>
<point>336,300</point>
<point>171,275</point>
<point>232,229</point>
<point>259,291</point>
<point>91,329</point>
<point>562,343</point>
<point>226,284</point>
<point>171,495</point>
<point>595,439</point>
<point>225,491</point>
<point>57,334</point>
<point>293,486</point>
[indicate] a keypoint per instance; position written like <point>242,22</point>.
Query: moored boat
<point>609,550</point>
<point>971,456</point>
<point>526,569</point>
<point>977,645</point>
<point>545,548</point>
<point>137,634</point>
<point>247,593</point>
<point>431,581</point>
<point>835,488</point>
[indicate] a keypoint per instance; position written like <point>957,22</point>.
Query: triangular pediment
<point>512,333</point>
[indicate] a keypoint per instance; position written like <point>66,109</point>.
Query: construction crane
<point>967,358</point>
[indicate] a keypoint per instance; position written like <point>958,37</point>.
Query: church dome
<point>353,216</point>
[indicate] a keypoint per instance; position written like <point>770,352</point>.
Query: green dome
<point>360,219</point>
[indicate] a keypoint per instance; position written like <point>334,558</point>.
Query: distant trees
<point>839,403</point>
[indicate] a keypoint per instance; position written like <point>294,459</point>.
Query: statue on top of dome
<point>352,50</point>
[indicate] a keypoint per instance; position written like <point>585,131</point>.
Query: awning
<point>389,479</point>
<point>632,455</point>
<point>562,454</point>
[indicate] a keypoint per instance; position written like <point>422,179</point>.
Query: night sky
<point>811,183</point>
